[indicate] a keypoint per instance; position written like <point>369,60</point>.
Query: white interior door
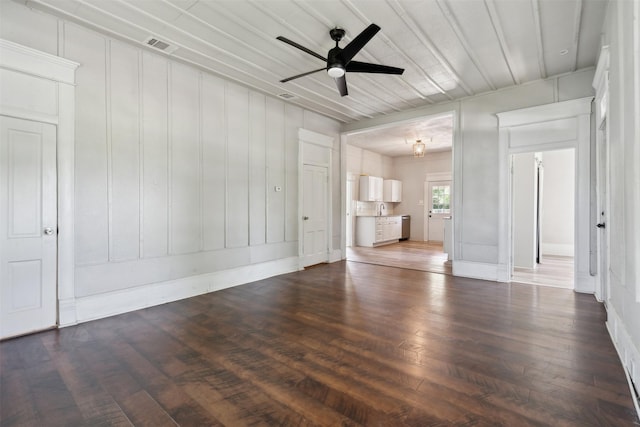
<point>603,209</point>
<point>28,226</point>
<point>438,206</point>
<point>314,215</point>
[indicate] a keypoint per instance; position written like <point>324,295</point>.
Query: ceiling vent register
<point>160,45</point>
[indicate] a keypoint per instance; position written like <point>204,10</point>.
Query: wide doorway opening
<point>543,218</point>
<point>392,175</point>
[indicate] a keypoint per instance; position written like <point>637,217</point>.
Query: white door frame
<point>310,216</point>
<point>547,127</point>
<point>21,61</point>
<point>601,85</point>
<point>393,120</point>
<point>431,178</point>
<point>350,210</point>
<point>315,149</point>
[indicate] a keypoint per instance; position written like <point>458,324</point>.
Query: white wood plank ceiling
<point>449,48</point>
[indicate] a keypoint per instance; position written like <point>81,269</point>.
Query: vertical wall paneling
<point>213,162</point>
<point>148,155</point>
<point>185,160</point>
<point>257,168</point>
<point>237,227</point>
<point>294,119</point>
<point>155,223</point>
<point>91,221</point>
<point>200,165</point>
<point>124,160</point>
<point>275,170</point>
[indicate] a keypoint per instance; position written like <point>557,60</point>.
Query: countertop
<point>380,216</point>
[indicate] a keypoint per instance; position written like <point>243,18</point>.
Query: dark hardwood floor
<point>342,344</point>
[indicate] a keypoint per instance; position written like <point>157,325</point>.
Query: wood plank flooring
<point>414,255</point>
<point>341,344</point>
<point>552,271</point>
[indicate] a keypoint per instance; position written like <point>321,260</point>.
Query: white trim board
<point>27,60</point>
<point>475,270</point>
<point>113,303</point>
<point>628,353</point>
<point>557,249</point>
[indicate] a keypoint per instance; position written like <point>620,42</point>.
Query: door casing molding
<point>434,177</point>
<point>315,149</point>
<point>547,127</point>
<point>16,59</point>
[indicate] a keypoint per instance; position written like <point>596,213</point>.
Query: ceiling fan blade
<point>358,43</point>
<point>302,75</point>
<point>365,67</point>
<point>341,82</point>
<point>302,48</point>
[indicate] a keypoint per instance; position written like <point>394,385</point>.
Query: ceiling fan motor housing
<point>336,34</point>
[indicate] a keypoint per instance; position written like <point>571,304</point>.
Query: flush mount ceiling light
<point>419,148</point>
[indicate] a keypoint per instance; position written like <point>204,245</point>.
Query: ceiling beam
<point>453,23</point>
<point>495,22</point>
<point>535,10</point>
<point>426,41</point>
<point>577,21</point>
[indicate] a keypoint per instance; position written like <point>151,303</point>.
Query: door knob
<point>305,218</point>
<point>48,231</point>
<point>601,225</point>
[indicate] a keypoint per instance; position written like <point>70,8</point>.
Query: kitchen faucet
<point>381,207</point>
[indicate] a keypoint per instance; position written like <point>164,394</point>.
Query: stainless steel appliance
<point>406,227</point>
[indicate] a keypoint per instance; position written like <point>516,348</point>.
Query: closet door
<point>28,226</point>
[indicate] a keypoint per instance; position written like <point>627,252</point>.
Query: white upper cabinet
<point>371,189</point>
<point>392,190</point>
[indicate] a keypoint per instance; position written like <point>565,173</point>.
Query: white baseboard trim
<point>475,270</point>
<point>67,312</point>
<point>558,249</point>
<point>627,351</point>
<point>112,303</point>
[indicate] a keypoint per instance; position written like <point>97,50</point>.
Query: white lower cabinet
<point>378,230</point>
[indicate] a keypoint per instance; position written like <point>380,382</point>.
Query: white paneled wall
<point>91,160</point>
<point>178,172</point>
<point>123,152</point>
<point>155,157</point>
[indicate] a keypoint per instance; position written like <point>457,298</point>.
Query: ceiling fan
<point>339,59</point>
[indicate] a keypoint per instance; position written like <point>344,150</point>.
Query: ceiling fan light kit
<point>335,72</point>
<point>339,60</point>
